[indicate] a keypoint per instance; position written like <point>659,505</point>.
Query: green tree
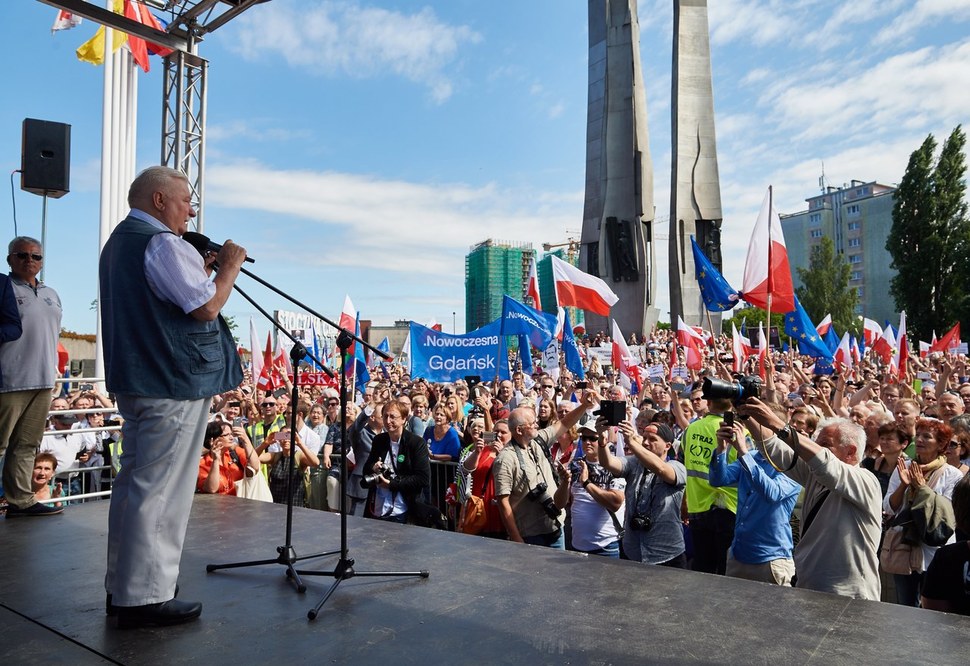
<point>825,287</point>
<point>930,237</point>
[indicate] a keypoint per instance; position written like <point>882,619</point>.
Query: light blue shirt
<point>173,268</point>
<point>766,497</point>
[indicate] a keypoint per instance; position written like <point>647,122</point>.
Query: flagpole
<point>770,285</point>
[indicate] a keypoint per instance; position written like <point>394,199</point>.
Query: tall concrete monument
<point>619,211</point>
<point>695,190</point>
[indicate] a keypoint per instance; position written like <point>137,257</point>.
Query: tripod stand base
<point>345,571</point>
<point>287,557</point>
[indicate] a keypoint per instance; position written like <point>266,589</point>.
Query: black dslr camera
<point>742,388</point>
<point>386,472</point>
<point>539,495</point>
<point>640,523</point>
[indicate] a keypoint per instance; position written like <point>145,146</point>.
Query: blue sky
<point>362,146</point>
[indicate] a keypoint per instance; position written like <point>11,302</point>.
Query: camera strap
<point>639,493</point>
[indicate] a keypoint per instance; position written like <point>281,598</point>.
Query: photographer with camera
<point>596,496</point>
<point>397,470</point>
<point>839,555</point>
<point>523,477</point>
<point>654,492</point>
<point>762,546</point>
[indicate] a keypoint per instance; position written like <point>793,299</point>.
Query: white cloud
<point>365,216</point>
<point>760,22</point>
<point>254,129</point>
<point>923,12</point>
<point>330,36</point>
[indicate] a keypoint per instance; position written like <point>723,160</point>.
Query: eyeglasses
<point>954,444</point>
<point>24,255</point>
<point>333,404</point>
<point>545,386</point>
<point>267,404</point>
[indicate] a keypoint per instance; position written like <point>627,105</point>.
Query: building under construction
<point>494,268</point>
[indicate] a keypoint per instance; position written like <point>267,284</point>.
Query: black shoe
<point>164,614</point>
<point>33,510</point>
<point>111,610</point>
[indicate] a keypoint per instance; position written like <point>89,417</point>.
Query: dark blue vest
<point>151,348</point>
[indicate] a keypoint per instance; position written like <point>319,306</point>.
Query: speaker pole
<point>43,234</point>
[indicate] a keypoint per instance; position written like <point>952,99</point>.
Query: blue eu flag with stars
<point>802,331</point>
<point>718,295</point>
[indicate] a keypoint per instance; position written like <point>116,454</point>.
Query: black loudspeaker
<point>45,160</point>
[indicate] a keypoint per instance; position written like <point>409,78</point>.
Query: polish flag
<point>949,341</point>
<point>843,355</point>
<point>871,332</point>
<point>741,348</point>
<point>824,325</point>
<point>532,286</point>
<point>924,349</point>
<point>692,343</point>
<point>902,346</point>
<point>348,316</point>
<point>264,380</point>
<point>856,354</point>
<point>581,290</point>
<point>623,360</point>
<point>885,346</point>
<point>254,350</point>
<point>767,271</point>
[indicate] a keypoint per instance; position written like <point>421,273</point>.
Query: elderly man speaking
<point>167,351</point>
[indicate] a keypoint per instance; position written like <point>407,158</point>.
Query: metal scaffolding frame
<point>185,76</point>
<point>184,95</point>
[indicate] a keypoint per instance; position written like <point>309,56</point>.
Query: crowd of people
<point>853,483</point>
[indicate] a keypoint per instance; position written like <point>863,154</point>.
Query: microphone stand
<point>344,569</point>
<point>286,554</point>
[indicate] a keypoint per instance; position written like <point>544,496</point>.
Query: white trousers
<point>152,496</point>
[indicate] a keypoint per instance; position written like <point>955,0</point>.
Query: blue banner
<point>441,357</point>
<point>520,319</point>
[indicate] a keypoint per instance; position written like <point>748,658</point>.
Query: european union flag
<point>718,295</point>
<point>802,330</point>
<point>525,355</point>
<point>570,352</point>
<point>832,339</point>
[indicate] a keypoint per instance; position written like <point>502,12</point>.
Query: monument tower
<point>618,211</point>
<point>695,190</point>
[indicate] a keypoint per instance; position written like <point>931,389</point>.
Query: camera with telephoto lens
<point>386,472</point>
<point>640,523</point>
<point>738,391</point>
<point>540,496</point>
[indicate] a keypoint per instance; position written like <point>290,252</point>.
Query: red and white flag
<point>902,346</point>
<point>767,271</point>
<point>824,325</point>
<point>581,290</point>
<point>741,348</point>
<point>265,379</point>
<point>532,285</point>
<point>885,346</point>
<point>348,316</point>
<point>762,353</point>
<point>924,349</point>
<point>843,355</point>
<point>871,331</point>
<point>623,360</point>
<point>256,354</point>
<point>65,21</point>
<point>692,342</point>
<point>949,341</point>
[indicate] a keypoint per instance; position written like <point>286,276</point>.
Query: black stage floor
<point>485,602</point>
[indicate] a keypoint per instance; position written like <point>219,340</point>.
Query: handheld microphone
<point>202,243</point>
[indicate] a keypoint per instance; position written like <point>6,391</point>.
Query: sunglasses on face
<point>24,255</point>
<point>268,404</point>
